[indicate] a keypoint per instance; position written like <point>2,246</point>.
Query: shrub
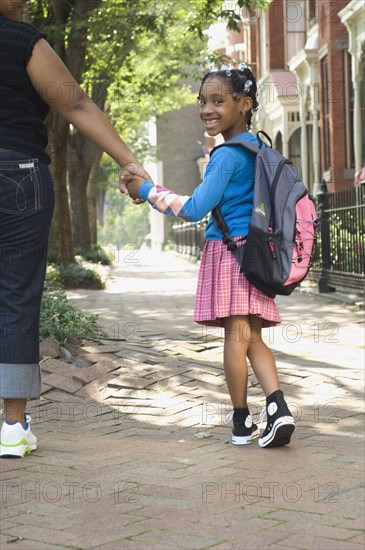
<point>62,321</point>
<point>96,255</point>
<point>73,276</point>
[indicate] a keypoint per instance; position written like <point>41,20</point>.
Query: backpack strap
<point>217,216</point>
<point>222,227</point>
<point>252,147</point>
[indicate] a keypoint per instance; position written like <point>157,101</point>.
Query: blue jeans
<point>26,208</point>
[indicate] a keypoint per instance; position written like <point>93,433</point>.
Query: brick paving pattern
<point>133,450</point>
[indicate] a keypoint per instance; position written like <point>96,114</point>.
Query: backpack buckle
<point>231,245</point>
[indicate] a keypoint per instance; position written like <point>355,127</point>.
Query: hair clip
<point>213,68</point>
<point>228,68</point>
<point>242,66</point>
<point>247,86</point>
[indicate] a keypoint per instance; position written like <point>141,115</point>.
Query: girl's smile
<point>210,123</point>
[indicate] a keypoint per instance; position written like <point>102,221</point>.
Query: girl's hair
<point>237,79</point>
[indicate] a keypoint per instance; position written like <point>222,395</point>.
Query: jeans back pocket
<point>20,191</point>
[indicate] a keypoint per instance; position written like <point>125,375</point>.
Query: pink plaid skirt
<point>223,291</point>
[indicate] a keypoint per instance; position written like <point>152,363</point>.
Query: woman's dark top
<point>22,111</point>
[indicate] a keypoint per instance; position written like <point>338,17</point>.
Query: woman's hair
<point>241,82</point>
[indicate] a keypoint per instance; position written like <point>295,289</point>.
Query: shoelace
<point>263,416</point>
<point>228,417</point>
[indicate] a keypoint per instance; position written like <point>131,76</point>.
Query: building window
<point>325,114</point>
<point>293,116</point>
<point>295,27</point>
<point>349,112</point>
<point>312,12</point>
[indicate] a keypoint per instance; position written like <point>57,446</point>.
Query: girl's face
<point>220,112</point>
<point>12,9</point>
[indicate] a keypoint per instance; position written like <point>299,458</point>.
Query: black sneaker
<point>280,423</point>
<point>244,430</point>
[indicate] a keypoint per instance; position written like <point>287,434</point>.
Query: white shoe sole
<point>16,451</point>
<point>245,440</point>
<point>280,434</point>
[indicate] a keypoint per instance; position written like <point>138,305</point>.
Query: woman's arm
<point>57,87</point>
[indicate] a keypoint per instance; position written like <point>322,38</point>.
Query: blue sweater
<point>228,183</point>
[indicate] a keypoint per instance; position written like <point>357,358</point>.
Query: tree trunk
<point>83,156</point>
<point>84,174</point>
<point>61,242</point>
<point>100,202</point>
<point>92,194</point>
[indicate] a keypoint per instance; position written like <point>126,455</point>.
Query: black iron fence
<point>189,237</point>
<point>339,260</point>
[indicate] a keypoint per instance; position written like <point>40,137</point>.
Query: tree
<point>111,66</point>
<point>128,56</point>
<point>66,27</point>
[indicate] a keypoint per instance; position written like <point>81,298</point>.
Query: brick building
<point>309,58</point>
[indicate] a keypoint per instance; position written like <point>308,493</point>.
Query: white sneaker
<point>16,441</point>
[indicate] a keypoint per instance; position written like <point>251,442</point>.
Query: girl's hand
<point>133,186</point>
<point>132,183</point>
<point>129,171</point>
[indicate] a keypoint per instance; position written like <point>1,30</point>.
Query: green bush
<point>73,276</point>
<point>60,320</point>
<point>96,255</point>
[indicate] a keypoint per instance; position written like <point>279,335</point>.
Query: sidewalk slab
<point>133,450</point>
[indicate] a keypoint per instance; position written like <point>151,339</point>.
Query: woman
<point>27,65</point>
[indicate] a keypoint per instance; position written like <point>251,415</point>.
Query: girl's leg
<point>280,423</point>
<point>237,336</point>
<point>237,340</point>
<point>261,358</point>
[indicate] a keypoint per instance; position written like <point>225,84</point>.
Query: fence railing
<point>339,259</point>
<point>189,237</point>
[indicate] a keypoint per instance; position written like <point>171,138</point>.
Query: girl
<point>227,99</point>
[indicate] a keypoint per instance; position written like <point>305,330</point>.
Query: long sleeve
<point>206,196</point>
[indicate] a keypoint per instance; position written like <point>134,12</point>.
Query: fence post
<point>323,213</point>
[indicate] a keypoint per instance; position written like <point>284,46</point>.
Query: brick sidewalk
<point>133,451</point>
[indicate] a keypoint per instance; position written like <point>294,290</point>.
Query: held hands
<point>131,178</point>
